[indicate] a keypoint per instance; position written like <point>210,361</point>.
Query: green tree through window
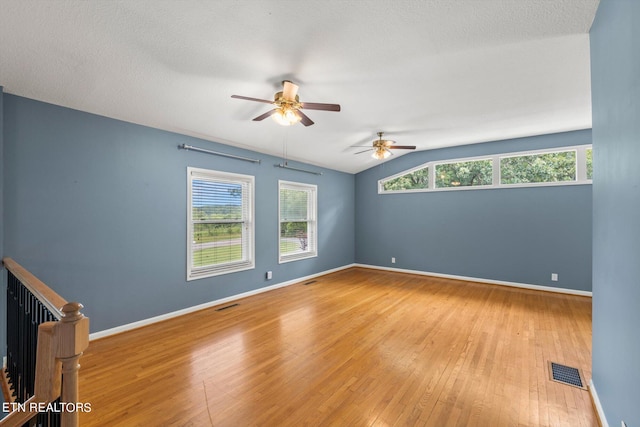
<point>464,174</point>
<point>417,179</point>
<point>546,167</point>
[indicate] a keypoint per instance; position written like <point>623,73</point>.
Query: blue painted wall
<point>96,208</point>
<point>615,74</point>
<point>518,235</point>
<point>3,274</point>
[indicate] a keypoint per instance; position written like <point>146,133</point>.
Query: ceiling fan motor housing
<point>279,100</point>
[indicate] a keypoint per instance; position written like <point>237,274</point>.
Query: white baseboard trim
<point>475,279</point>
<point>160,318</point>
<point>597,404</point>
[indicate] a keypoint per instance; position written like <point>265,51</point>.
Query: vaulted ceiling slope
<point>430,73</point>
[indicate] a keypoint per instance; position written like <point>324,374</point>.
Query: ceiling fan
<point>382,147</point>
<point>288,106</point>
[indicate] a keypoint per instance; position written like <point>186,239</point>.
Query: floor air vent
<point>310,282</point>
<point>226,307</point>
<point>566,375</point>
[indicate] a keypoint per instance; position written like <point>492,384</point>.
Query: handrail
<point>45,294</point>
<point>59,347</point>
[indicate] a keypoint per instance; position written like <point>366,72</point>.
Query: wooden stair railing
<point>59,347</point>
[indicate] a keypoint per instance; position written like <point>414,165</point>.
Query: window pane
<point>215,244</point>
<point>293,237</point>
<point>464,174</point>
<point>293,204</point>
<point>411,181</point>
<point>214,200</point>
<point>589,163</point>
<point>547,167</point>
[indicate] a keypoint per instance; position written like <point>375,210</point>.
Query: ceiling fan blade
<point>363,151</point>
<point>265,115</point>
<point>318,106</point>
<point>304,119</point>
<point>246,98</point>
<point>289,91</point>
<point>403,147</point>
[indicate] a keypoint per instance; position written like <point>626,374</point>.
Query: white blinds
<point>294,204</point>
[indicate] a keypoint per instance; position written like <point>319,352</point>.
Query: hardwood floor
<point>357,348</point>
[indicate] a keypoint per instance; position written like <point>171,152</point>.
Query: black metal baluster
<point>21,345</point>
<point>11,324</point>
<point>24,314</point>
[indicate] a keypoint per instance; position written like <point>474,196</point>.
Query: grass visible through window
<point>217,255</point>
<point>289,247</point>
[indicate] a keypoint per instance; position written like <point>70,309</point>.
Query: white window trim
<point>194,274</point>
<point>581,171</point>
<point>312,209</point>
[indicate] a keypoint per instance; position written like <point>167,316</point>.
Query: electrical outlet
<point>554,277</point>
<point>393,260</point>
<point>269,275</point>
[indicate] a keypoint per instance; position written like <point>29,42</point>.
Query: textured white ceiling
<point>430,73</point>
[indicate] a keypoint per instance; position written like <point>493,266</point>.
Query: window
<point>555,166</point>
<point>464,174</point>
<point>414,179</point>
<point>536,168</point>
<point>220,223</point>
<point>298,228</point>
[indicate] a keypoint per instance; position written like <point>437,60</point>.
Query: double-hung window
<point>298,225</point>
<point>220,237</point>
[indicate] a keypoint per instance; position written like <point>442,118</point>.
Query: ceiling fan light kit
<point>380,153</point>
<point>286,116</point>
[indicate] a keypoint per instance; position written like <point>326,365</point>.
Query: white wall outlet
<point>269,275</point>
<point>554,277</point>
<point>393,260</point>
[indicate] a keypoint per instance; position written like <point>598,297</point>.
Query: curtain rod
<point>285,166</point>
<point>202,150</point>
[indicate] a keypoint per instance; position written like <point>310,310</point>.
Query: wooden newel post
<point>73,340</point>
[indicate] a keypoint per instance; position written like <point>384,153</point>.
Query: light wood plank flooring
<point>357,348</point>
